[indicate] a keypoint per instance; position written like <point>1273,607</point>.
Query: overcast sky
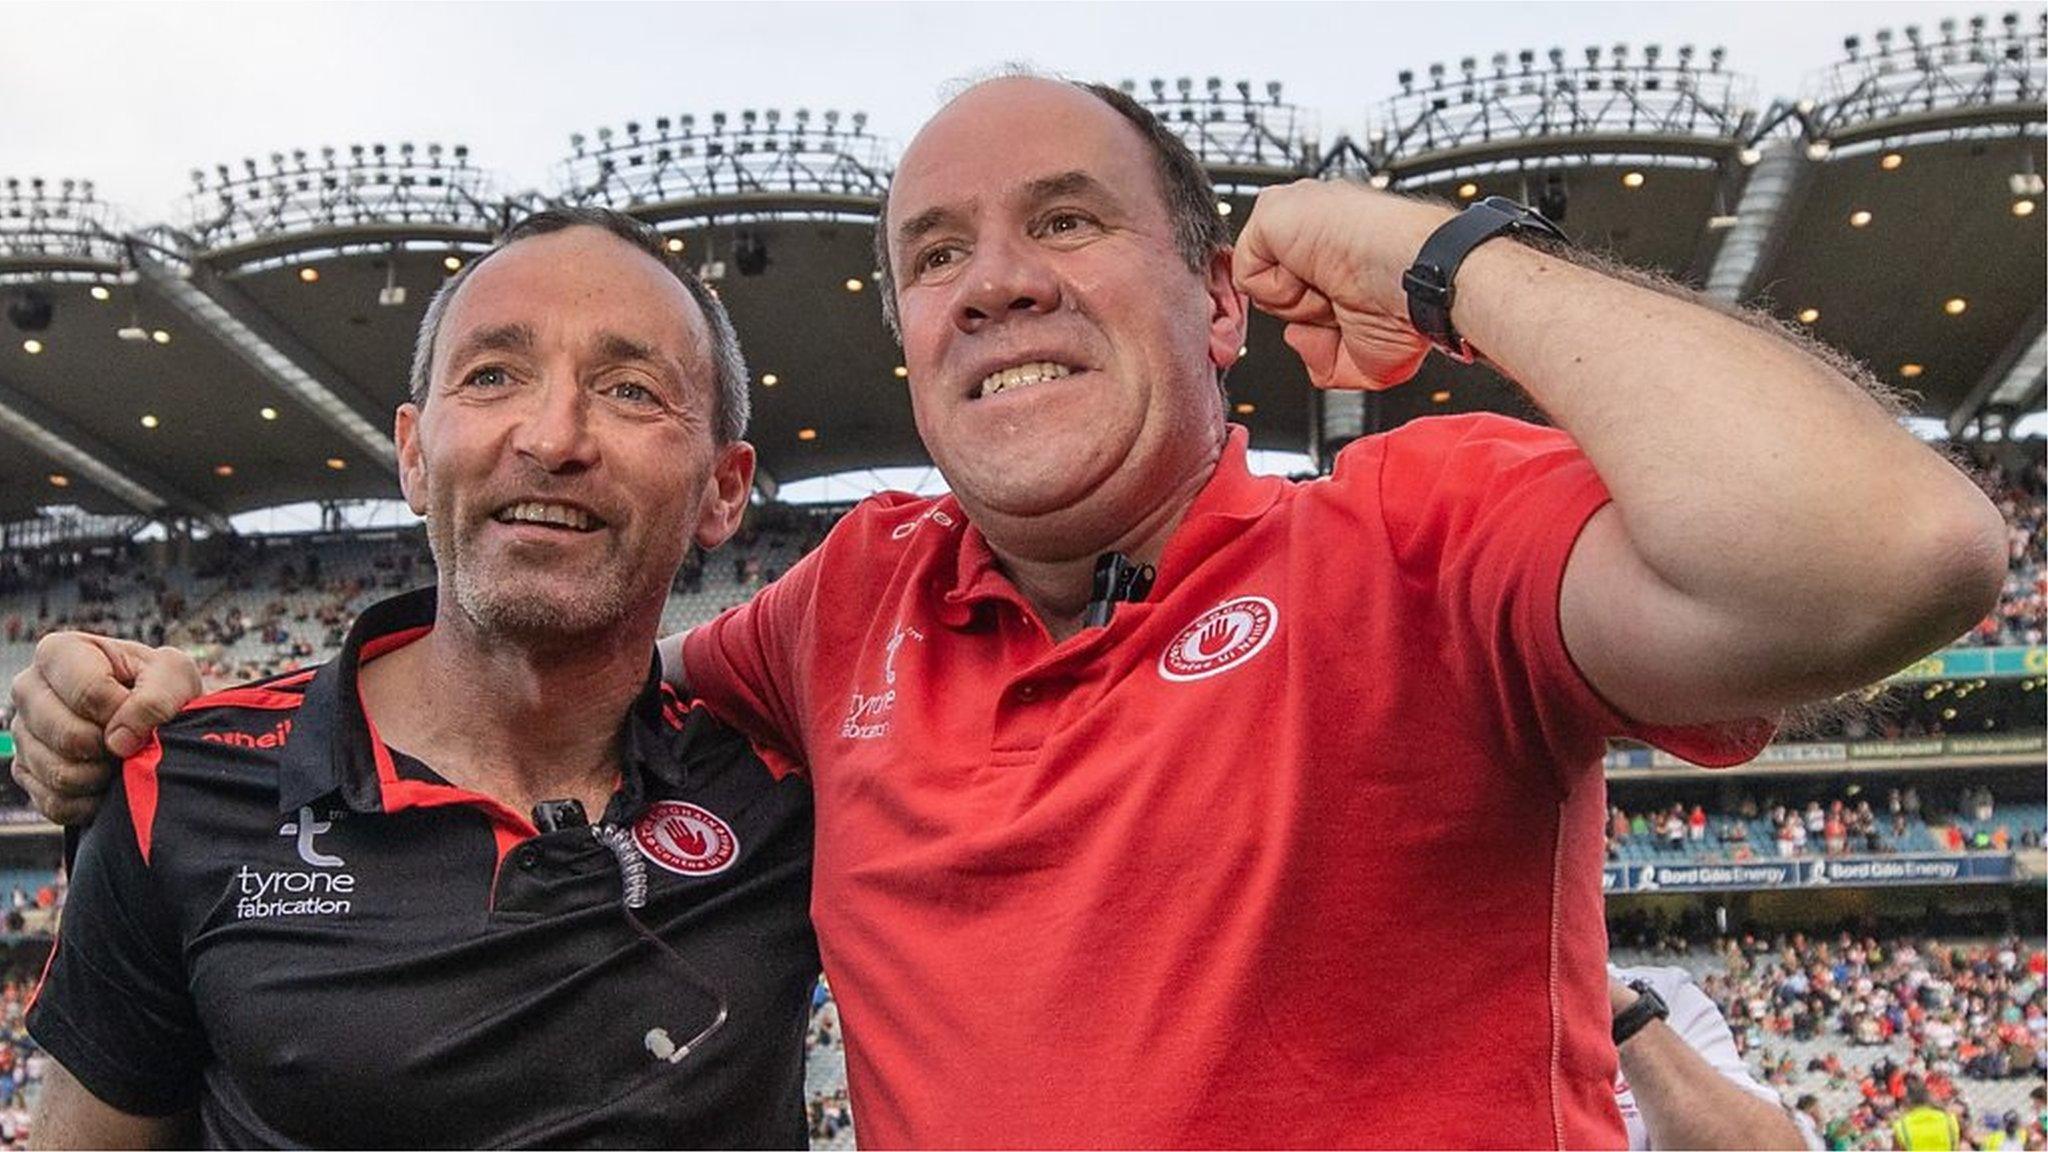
<point>134,96</point>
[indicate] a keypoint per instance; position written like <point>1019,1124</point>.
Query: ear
<point>412,464</point>
<point>1227,312</point>
<point>725,495</point>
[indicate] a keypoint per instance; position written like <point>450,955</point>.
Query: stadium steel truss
<point>375,190</point>
<point>55,233</point>
<point>1511,105</point>
<point>1230,129</point>
<point>732,163</point>
<point>1661,156</point>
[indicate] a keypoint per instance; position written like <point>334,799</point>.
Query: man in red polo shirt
<point>1210,871</point>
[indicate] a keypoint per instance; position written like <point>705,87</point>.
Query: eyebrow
<point>503,338</point>
<point>1074,183</point>
<point>1053,187</point>
<point>613,346</point>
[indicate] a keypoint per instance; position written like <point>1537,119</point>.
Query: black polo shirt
<point>317,941</point>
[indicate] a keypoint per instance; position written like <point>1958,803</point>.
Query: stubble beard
<point>532,605</point>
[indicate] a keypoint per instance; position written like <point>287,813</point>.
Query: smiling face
<point>1062,355</point>
<point>565,457</point>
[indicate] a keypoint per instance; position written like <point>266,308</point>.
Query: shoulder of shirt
<point>894,517</point>
<point>1460,428</point>
<point>248,719</point>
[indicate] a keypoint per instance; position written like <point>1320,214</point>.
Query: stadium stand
<point>264,605</point>
<point>1852,1019</point>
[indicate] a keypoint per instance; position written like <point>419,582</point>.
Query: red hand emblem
<point>686,838</point>
<point>1213,638</point>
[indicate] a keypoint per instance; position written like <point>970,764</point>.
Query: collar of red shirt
<point>1231,496</point>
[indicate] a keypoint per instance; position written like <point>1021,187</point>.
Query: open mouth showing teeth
<point>552,515</point>
<point>1022,376</point>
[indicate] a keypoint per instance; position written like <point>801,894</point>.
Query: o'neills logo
<point>686,839</point>
<point>1226,635</point>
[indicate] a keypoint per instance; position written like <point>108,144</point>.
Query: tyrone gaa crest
<point>686,839</point>
<point>1220,639</point>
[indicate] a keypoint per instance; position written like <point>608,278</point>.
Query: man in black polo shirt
<point>316,909</point>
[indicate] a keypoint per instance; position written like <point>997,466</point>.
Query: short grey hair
<point>1199,231</point>
<point>728,365</point>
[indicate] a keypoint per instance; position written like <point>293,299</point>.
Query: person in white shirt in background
<point>1683,1085</point>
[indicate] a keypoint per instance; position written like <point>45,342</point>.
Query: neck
<point>1058,584</point>
<point>537,721</point>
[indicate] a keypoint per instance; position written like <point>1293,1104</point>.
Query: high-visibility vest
<point>1927,1129</point>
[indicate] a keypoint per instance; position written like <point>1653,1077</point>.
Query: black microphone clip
<point>555,815</point>
<point>1116,578</point>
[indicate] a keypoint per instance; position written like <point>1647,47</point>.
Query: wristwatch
<point>1431,281</point>
<point>1634,1018</point>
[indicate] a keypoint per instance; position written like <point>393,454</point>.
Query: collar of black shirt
<point>331,754</point>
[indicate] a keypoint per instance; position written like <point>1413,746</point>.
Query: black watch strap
<point>1431,282</point>
<point>1637,1016</point>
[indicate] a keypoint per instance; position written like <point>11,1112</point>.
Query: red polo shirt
<point>1303,850</point>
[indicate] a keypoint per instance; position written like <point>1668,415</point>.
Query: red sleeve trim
<point>49,962</point>
<point>139,774</point>
<point>266,696</point>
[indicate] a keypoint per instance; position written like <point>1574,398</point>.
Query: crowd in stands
<point>1753,827</point>
<point>257,606</point>
<point>22,1064</point>
<point>2023,603</point>
<point>828,1112</point>
<point>1856,1022</point>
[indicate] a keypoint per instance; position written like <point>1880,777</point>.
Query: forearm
<point>1752,478</point>
<point>1686,1103</point>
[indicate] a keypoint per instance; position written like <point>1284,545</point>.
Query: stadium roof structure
<point>250,354</point>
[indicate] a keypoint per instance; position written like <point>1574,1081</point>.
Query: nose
<point>1007,278</point>
<point>554,432</point>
